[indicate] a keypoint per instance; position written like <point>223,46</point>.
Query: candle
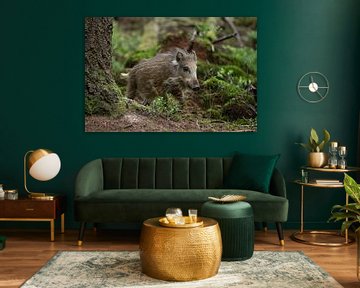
<point>333,144</point>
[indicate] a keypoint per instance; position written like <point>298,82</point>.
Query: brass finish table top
<point>314,184</point>
<point>323,169</point>
<point>154,222</point>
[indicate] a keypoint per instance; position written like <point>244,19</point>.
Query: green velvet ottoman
<point>236,221</point>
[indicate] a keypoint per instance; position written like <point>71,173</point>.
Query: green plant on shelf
<point>314,144</point>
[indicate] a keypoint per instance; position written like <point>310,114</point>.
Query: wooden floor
<point>28,250</point>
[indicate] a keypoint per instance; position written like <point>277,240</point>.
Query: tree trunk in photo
<point>101,92</point>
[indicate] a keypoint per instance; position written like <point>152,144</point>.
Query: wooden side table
<point>26,209</point>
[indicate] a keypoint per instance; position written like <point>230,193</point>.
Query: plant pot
<point>317,159</point>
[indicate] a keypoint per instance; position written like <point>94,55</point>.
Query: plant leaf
<point>321,146</point>
<point>306,146</point>
<point>312,144</point>
<point>352,207</point>
<point>314,136</point>
<point>345,213</point>
<point>326,136</point>
<point>346,225</point>
<point>350,213</point>
<point>352,188</point>
<point>353,210</point>
<point>337,216</point>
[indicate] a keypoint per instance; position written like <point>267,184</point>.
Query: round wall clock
<point>313,87</point>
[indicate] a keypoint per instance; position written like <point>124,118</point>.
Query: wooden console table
<point>26,209</point>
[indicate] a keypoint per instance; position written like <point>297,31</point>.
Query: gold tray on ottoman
<point>188,224</point>
<point>228,198</point>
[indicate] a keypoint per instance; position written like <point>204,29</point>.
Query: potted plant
<point>317,157</point>
<point>350,214</point>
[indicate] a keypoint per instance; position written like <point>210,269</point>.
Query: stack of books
<point>327,181</point>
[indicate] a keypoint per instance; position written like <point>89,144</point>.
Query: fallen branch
<point>233,27</point>
<point>224,38</point>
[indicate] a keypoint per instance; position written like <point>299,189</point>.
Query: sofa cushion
<point>251,172</point>
<point>266,207</point>
<point>164,173</point>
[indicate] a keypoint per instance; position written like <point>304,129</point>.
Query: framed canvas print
<point>170,74</point>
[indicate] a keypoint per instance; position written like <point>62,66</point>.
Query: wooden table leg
<point>63,223</point>
<point>52,230</point>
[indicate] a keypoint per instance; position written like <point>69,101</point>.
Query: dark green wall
<point>42,80</point>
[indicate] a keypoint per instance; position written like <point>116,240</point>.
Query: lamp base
<point>41,196</point>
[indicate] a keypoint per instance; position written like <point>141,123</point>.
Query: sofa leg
<point>280,233</point>
<point>81,233</point>
<point>265,227</point>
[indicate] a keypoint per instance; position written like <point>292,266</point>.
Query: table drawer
<point>28,209</point>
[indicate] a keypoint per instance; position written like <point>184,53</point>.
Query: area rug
<point>80,269</point>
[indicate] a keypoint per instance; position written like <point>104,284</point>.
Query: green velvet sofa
<point>130,190</point>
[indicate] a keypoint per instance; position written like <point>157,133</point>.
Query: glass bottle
<point>304,176</point>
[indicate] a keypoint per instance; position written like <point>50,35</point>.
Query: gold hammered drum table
<point>180,254</point>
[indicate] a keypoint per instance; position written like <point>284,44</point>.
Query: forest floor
<point>135,121</point>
